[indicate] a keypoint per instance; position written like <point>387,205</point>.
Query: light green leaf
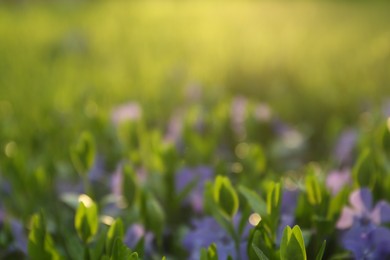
<point>83,153</point>
<point>40,243</point>
<point>259,253</point>
<point>257,204</point>
<point>114,233</point>
<point>129,185</point>
<point>292,245</point>
<point>320,253</point>
<point>122,252</point>
<point>225,196</point>
<point>86,221</point>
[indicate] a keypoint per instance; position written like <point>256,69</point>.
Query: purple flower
<point>187,176</point>
<point>364,237</point>
<point>135,233</point>
<point>344,146</point>
<point>98,169</point>
<point>174,133</point>
<point>361,212</point>
<point>131,111</point>
<point>386,108</point>
<point>207,231</point>
<point>19,236</point>
<point>337,179</point>
<point>287,211</point>
<point>238,116</point>
<point>368,243</point>
<point>262,112</point>
<point>117,179</point>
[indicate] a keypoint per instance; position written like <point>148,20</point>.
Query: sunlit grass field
<point>62,63</point>
<point>73,60</point>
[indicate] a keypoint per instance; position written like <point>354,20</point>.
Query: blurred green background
<point>61,64</point>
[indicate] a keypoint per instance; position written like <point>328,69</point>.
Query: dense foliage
<point>220,181</point>
<point>194,130</point>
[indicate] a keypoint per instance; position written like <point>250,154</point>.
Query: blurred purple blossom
<point>65,186</point>
<point>290,138</point>
<point>19,236</point>
<point>135,233</point>
<point>174,131</point>
<point>361,212</point>
<point>207,231</point>
<point>187,176</point>
<point>262,112</point>
<point>98,169</point>
<point>2,216</point>
<point>238,116</point>
<point>368,242</point>
<point>386,108</point>
<point>193,92</point>
<point>364,237</point>
<point>131,111</point>
<point>337,179</point>
<point>287,211</point>
<point>280,127</point>
<point>344,147</point>
<point>117,177</point>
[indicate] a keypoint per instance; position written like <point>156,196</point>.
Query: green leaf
<point>259,253</point>
<point>83,153</point>
<point>98,248</point>
<point>257,204</point>
<point>313,189</point>
<point>153,214</point>
<point>86,221</point>
<point>40,243</point>
<point>212,207</point>
<point>122,252</point>
<point>320,253</point>
<point>212,253</point>
<point>386,140</point>
<point>129,185</point>
<point>364,171</point>
<point>292,246</point>
<point>114,233</point>
<point>260,236</point>
<point>225,196</point>
<point>274,200</point>
<point>203,254</point>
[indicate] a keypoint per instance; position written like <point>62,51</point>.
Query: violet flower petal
<point>336,180</point>
<point>361,200</point>
<point>346,218</point>
<point>381,213</point>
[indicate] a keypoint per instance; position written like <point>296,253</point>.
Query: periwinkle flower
<point>386,108</point>
<point>238,116</point>
<point>364,237</point>
<point>174,132</point>
<point>262,112</point>
<point>290,138</point>
<point>372,243</point>
<point>135,233</point>
<point>19,236</point>
<point>97,171</point>
<point>344,146</point>
<point>337,179</point>
<point>287,211</point>
<point>361,212</point>
<point>2,217</point>
<point>131,111</point>
<point>207,231</point>
<point>187,176</point>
